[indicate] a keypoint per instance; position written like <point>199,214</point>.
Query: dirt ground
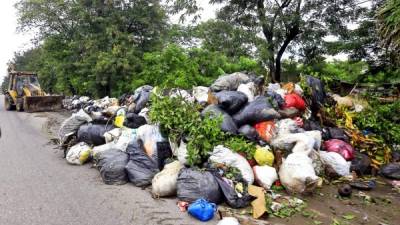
<point>378,206</point>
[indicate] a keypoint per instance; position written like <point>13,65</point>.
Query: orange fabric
<point>265,130</point>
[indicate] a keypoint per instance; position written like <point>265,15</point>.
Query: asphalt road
<point>37,186</point>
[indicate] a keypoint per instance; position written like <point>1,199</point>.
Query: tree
<point>389,23</point>
<point>280,23</point>
<point>92,47</point>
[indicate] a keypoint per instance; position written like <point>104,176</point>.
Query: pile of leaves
<point>179,119</point>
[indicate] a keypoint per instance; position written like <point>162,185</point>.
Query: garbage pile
<point>266,138</point>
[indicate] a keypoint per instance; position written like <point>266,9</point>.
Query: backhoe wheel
<point>20,105</point>
<point>7,104</point>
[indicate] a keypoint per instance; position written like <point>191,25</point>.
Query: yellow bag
<point>120,118</point>
<point>264,156</point>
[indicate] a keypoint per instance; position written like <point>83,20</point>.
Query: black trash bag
<point>140,168</point>
<point>164,152</point>
<point>193,184</point>
<point>311,125</point>
<point>334,133</point>
<point>276,99</point>
<point>141,102</point>
<point>395,156</point>
<point>361,164</point>
<point>231,197</point>
<point>289,112</point>
<point>391,171</point>
<point>249,132</point>
<point>228,125</point>
<point>111,164</point>
<point>256,111</point>
<point>231,101</point>
<point>317,92</point>
<point>93,134</point>
<point>134,121</point>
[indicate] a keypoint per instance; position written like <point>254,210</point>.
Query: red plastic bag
<point>341,147</point>
<point>266,130</point>
<point>294,100</point>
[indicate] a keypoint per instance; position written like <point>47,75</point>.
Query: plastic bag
<point>182,94</point>
<point>229,221</point>
<point>297,173</point>
<point>336,161</point>
<point>294,100</point>
<point>227,124</point>
<point>149,135</point>
<point>361,164</point>
<point>341,147</point>
<point>201,94</point>
<point>232,198</point>
<point>249,90</point>
<point>134,121</point>
<point>287,126</point>
<point>298,142</point>
<point>93,134</point>
<point>335,133</point>
<point>164,182</point>
<point>391,171</point>
<point>182,153</point>
<point>312,125</point>
<point>225,156</point>
<point>141,97</point>
<point>140,167</point>
<point>254,112</point>
<point>264,156</point>
<point>78,154</point>
<point>202,210</point>
<point>318,93</point>
<point>266,130</point>
<point>112,164</point>
<point>231,101</point>
<point>289,112</point>
<point>265,176</point>
<point>249,132</point>
<point>193,184</point>
<point>71,125</point>
<point>230,82</point>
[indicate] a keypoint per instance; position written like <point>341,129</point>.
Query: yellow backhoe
<point>25,94</point>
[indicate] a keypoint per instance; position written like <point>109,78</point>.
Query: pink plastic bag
<point>341,147</point>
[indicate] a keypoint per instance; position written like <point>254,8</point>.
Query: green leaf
<point>348,216</point>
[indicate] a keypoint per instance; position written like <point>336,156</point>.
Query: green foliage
<point>175,116</point>
<point>382,119</point>
<point>179,119</point>
<point>175,66</point>
<point>203,138</point>
<point>240,144</point>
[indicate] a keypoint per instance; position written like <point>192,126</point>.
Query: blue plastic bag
<point>202,210</point>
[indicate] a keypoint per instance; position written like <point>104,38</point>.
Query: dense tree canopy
<point>98,48</point>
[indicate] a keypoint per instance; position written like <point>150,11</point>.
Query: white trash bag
<point>297,173</point>
<point>249,90</point>
<point>78,154</point>
<point>265,176</point>
<point>226,156</point>
<point>200,93</point>
<point>336,161</point>
<point>164,182</point>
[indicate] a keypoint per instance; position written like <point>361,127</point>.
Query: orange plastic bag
<point>266,130</point>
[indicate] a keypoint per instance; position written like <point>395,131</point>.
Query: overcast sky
<point>10,41</point>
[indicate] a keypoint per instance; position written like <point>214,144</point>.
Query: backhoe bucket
<point>43,103</point>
